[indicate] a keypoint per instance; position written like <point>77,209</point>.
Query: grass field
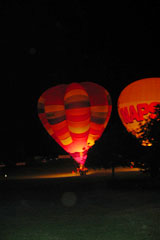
<point>90,207</point>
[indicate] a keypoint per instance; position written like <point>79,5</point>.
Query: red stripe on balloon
<point>77,118</point>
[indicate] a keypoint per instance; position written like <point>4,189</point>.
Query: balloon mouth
<point>80,157</point>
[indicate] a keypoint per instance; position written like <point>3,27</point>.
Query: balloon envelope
<point>75,115</point>
<point>136,104</point>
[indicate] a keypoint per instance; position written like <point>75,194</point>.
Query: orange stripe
<point>50,130</point>
<point>99,108</point>
<point>79,124</point>
<point>64,136</point>
<point>60,125</point>
<point>96,126</point>
<point>41,100</point>
<point>75,92</point>
<point>54,108</point>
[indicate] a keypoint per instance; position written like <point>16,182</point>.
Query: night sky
<point>46,43</point>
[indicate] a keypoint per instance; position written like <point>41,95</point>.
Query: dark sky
<point>46,43</point>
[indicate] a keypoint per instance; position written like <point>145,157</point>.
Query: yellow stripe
<point>81,154</point>
<point>51,108</point>
<point>66,141</point>
<point>75,92</point>
<point>79,129</point>
<point>91,139</point>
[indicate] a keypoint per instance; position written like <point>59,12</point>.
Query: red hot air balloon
<point>75,115</point>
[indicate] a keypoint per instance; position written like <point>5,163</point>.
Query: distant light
<point>44,160</point>
<point>5,175</point>
<point>20,163</point>
<point>64,156</point>
<point>2,165</point>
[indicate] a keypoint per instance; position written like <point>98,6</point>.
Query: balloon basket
<point>82,171</point>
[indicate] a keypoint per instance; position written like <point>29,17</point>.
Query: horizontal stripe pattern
<point>53,100</point>
<point>53,121</point>
<point>73,90</point>
<point>54,108</point>
<point>98,120</point>
<point>42,116</point>
<point>100,102</point>
<point>77,107</point>
<point>41,105</point>
<point>75,115</point>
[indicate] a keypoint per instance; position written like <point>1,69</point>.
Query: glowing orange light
<point>75,116</point>
<point>136,104</point>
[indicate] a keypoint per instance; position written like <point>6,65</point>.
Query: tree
<point>113,149</point>
<point>150,138</point>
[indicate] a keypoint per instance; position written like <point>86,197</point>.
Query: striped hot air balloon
<point>75,115</point>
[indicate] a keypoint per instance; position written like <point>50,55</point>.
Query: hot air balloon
<point>75,116</point>
<point>136,105</point>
